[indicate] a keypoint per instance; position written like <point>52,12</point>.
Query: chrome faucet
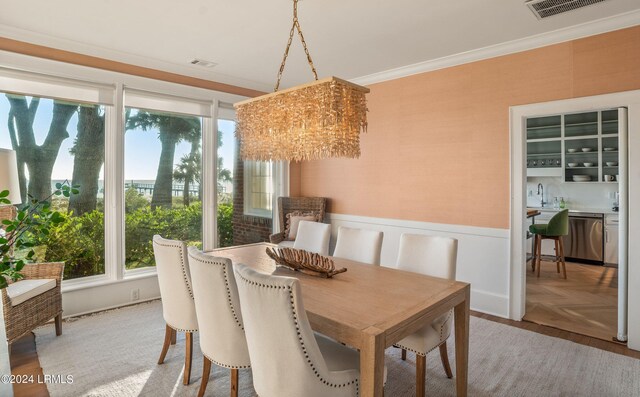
<point>541,194</point>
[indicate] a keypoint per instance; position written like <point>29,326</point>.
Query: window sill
<point>258,215</point>
<point>103,280</point>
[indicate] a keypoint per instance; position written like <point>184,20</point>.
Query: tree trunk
<point>164,178</point>
<point>89,157</point>
<point>39,160</point>
<point>185,193</point>
<point>190,174</point>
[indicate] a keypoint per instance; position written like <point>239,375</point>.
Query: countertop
<point>606,211</point>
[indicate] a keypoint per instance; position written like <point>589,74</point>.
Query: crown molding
<point>599,26</point>
<point>30,37</point>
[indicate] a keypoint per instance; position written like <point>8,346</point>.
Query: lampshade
<point>9,175</point>
<point>312,121</point>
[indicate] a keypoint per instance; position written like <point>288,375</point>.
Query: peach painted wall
<point>437,148</point>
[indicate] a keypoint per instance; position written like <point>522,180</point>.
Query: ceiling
<point>246,38</point>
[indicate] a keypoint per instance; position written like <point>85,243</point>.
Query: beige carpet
<point>115,353</point>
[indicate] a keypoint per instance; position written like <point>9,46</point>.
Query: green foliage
<point>79,242</point>
<point>225,227</point>
<point>134,201</point>
<point>31,226</point>
<point>183,223</point>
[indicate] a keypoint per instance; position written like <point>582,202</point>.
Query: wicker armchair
<point>39,309</point>
<point>288,205</point>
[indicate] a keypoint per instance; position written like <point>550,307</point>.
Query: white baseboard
<point>101,309</point>
<point>78,302</point>
<point>489,303</point>
<point>483,254</point>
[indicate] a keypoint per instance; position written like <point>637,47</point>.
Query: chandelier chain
<point>294,27</point>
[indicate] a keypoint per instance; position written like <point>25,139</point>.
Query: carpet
<point>114,353</point>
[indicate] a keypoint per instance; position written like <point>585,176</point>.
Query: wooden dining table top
<point>369,307</point>
<point>366,295</point>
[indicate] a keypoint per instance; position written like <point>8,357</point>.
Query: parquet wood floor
<point>585,303</point>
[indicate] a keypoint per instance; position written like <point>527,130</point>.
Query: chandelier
<point>312,121</point>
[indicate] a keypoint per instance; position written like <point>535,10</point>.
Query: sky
<point>142,148</point>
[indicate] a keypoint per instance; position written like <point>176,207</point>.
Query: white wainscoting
<point>483,261</point>
<point>483,254</point>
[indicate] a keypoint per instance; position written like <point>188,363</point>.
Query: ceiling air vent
<point>546,8</point>
<point>203,63</point>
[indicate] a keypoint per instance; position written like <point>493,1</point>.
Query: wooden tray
<point>304,261</point>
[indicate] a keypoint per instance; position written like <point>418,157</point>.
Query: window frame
<point>178,106</point>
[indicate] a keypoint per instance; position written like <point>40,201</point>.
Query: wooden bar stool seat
<point>557,227</point>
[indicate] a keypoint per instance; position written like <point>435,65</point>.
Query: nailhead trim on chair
<point>226,285</point>
<point>437,346</point>
<point>225,365</point>
<point>304,349</point>
<point>184,270</point>
<point>182,329</point>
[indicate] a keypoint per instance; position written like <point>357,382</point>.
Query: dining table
<point>371,308</point>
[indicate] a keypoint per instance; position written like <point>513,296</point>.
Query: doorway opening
<point>628,221</point>
<point>575,161</point>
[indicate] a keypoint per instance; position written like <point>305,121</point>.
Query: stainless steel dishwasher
<point>585,241</point>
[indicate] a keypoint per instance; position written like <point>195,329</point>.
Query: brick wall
<point>247,229</point>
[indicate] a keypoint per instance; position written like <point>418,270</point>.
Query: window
<point>141,176</point>
<point>258,188</point>
<point>226,156</point>
<point>163,174</point>
<point>57,141</point>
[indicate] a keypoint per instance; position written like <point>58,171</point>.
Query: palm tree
<point>172,129</point>
<point>188,172</point>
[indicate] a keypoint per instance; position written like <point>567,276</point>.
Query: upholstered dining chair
<point>178,308</point>
<point>313,237</point>
<point>220,326</point>
<point>291,210</point>
<point>287,358</point>
<point>359,245</point>
<point>433,256</point>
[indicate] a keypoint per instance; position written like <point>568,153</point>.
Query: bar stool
<point>557,227</point>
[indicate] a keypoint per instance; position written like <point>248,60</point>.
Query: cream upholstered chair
<point>222,339</point>
<point>287,359</point>
<point>433,256</point>
<point>299,207</point>
<point>359,245</point>
<point>178,308</point>
<point>313,237</point>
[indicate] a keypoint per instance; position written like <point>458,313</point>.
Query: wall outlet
<point>135,294</point>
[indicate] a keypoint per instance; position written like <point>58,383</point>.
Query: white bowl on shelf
<point>581,178</point>
<point>612,163</point>
<point>588,164</point>
<point>572,150</point>
<point>571,165</point>
<point>586,149</point>
<point>609,149</point>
